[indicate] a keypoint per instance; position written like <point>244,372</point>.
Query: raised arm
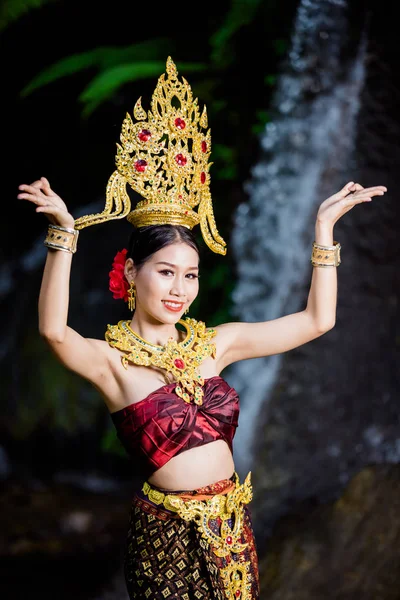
<point>239,341</point>
<point>81,355</point>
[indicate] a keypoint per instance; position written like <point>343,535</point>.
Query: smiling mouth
<point>177,306</point>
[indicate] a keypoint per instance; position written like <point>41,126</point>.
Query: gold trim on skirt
<point>228,509</point>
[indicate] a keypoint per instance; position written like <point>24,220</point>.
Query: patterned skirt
<point>192,545</point>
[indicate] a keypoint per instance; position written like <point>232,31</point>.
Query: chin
<point>173,318</point>
<point>166,318</point>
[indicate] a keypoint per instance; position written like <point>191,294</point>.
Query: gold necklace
<point>181,359</point>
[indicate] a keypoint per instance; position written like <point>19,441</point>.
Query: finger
<point>375,189</point>
<point>46,186</point>
<point>367,193</point>
<point>339,195</point>
<point>362,199</point>
<point>354,198</point>
<point>32,189</point>
<point>32,198</point>
<point>357,187</point>
<point>345,190</point>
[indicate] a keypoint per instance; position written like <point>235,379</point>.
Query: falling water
<point>308,142</point>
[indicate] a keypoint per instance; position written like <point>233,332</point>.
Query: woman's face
<point>167,283</point>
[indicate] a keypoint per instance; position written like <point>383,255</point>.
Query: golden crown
<point>164,157</point>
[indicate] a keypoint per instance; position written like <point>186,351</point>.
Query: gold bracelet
<point>325,256</point>
<point>61,238</point>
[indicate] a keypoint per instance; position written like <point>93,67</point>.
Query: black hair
<point>145,241</point>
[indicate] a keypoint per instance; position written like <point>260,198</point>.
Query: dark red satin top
<point>162,425</point>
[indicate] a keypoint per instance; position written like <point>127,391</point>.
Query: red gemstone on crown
<point>180,123</point>
<point>203,177</point>
<point>204,146</point>
<point>140,165</point>
<point>144,135</point>
<point>238,593</point>
<point>228,539</point>
<point>181,160</point>
<point>178,362</point>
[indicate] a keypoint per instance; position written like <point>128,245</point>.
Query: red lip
<point>174,309</point>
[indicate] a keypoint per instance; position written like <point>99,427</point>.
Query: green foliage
<point>240,14</point>
<point>115,67</point>
<point>13,10</point>
<point>225,157</point>
<point>270,80</point>
<point>109,81</point>
<point>106,59</point>
<point>263,117</point>
<point>51,395</point>
<point>280,46</point>
<point>111,444</point>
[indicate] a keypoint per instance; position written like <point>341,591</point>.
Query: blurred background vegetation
<point>72,71</point>
<point>83,67</point>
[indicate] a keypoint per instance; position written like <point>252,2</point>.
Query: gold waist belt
<point>225,506</point>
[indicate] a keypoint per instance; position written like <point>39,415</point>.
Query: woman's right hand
<point>48,202</point>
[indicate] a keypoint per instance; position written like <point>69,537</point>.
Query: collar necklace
<point>181,359</point>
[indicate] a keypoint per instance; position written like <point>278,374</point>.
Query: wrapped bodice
<point>162,425</point>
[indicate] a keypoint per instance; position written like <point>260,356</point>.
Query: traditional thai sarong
<point>192,545</point>
<point>195,544</point>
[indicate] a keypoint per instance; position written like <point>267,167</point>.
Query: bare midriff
<point>195,468</point>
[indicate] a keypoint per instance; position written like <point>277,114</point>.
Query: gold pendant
<point>181,359</point>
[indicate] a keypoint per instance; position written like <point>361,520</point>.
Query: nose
<point>178,287</point>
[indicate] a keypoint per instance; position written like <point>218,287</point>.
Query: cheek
<point>194,290</point>
<point>157,286</point>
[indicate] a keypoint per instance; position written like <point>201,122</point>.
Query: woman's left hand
<point>340,203</point>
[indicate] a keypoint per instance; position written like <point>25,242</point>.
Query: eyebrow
<point>162,262</point>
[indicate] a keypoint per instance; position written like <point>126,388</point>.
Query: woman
<point>190,532</point>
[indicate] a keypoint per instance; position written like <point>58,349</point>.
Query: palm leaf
<point>100,59</point>
<point>109,81</point>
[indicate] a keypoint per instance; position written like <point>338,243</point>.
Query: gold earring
<point>132,296</point>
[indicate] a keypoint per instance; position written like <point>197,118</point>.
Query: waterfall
<point>303,148</point>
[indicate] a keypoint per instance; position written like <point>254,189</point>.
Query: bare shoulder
<point>224,334</point>
<point>104,347</point>
<point>111,357</point>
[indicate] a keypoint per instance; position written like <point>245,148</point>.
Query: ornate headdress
<point>164,157</point>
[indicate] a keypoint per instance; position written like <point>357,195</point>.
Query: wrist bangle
<point>325,256</point>
<point>61,238</point>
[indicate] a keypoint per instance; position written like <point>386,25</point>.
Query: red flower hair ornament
<point>118,283</point>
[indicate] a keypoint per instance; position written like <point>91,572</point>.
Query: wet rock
<point>348,549</point>
<point>62,541</point>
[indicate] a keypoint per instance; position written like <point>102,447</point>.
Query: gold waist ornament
<point>180,359</point>
<point>236,575</point>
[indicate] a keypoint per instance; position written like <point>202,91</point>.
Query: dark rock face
<point>58,540</point>
<point>346,549</point>
<point>335,407</point>
<point>336,404</point>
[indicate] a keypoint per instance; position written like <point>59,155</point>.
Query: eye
<point>192,276</point>
<point>166,271</point>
